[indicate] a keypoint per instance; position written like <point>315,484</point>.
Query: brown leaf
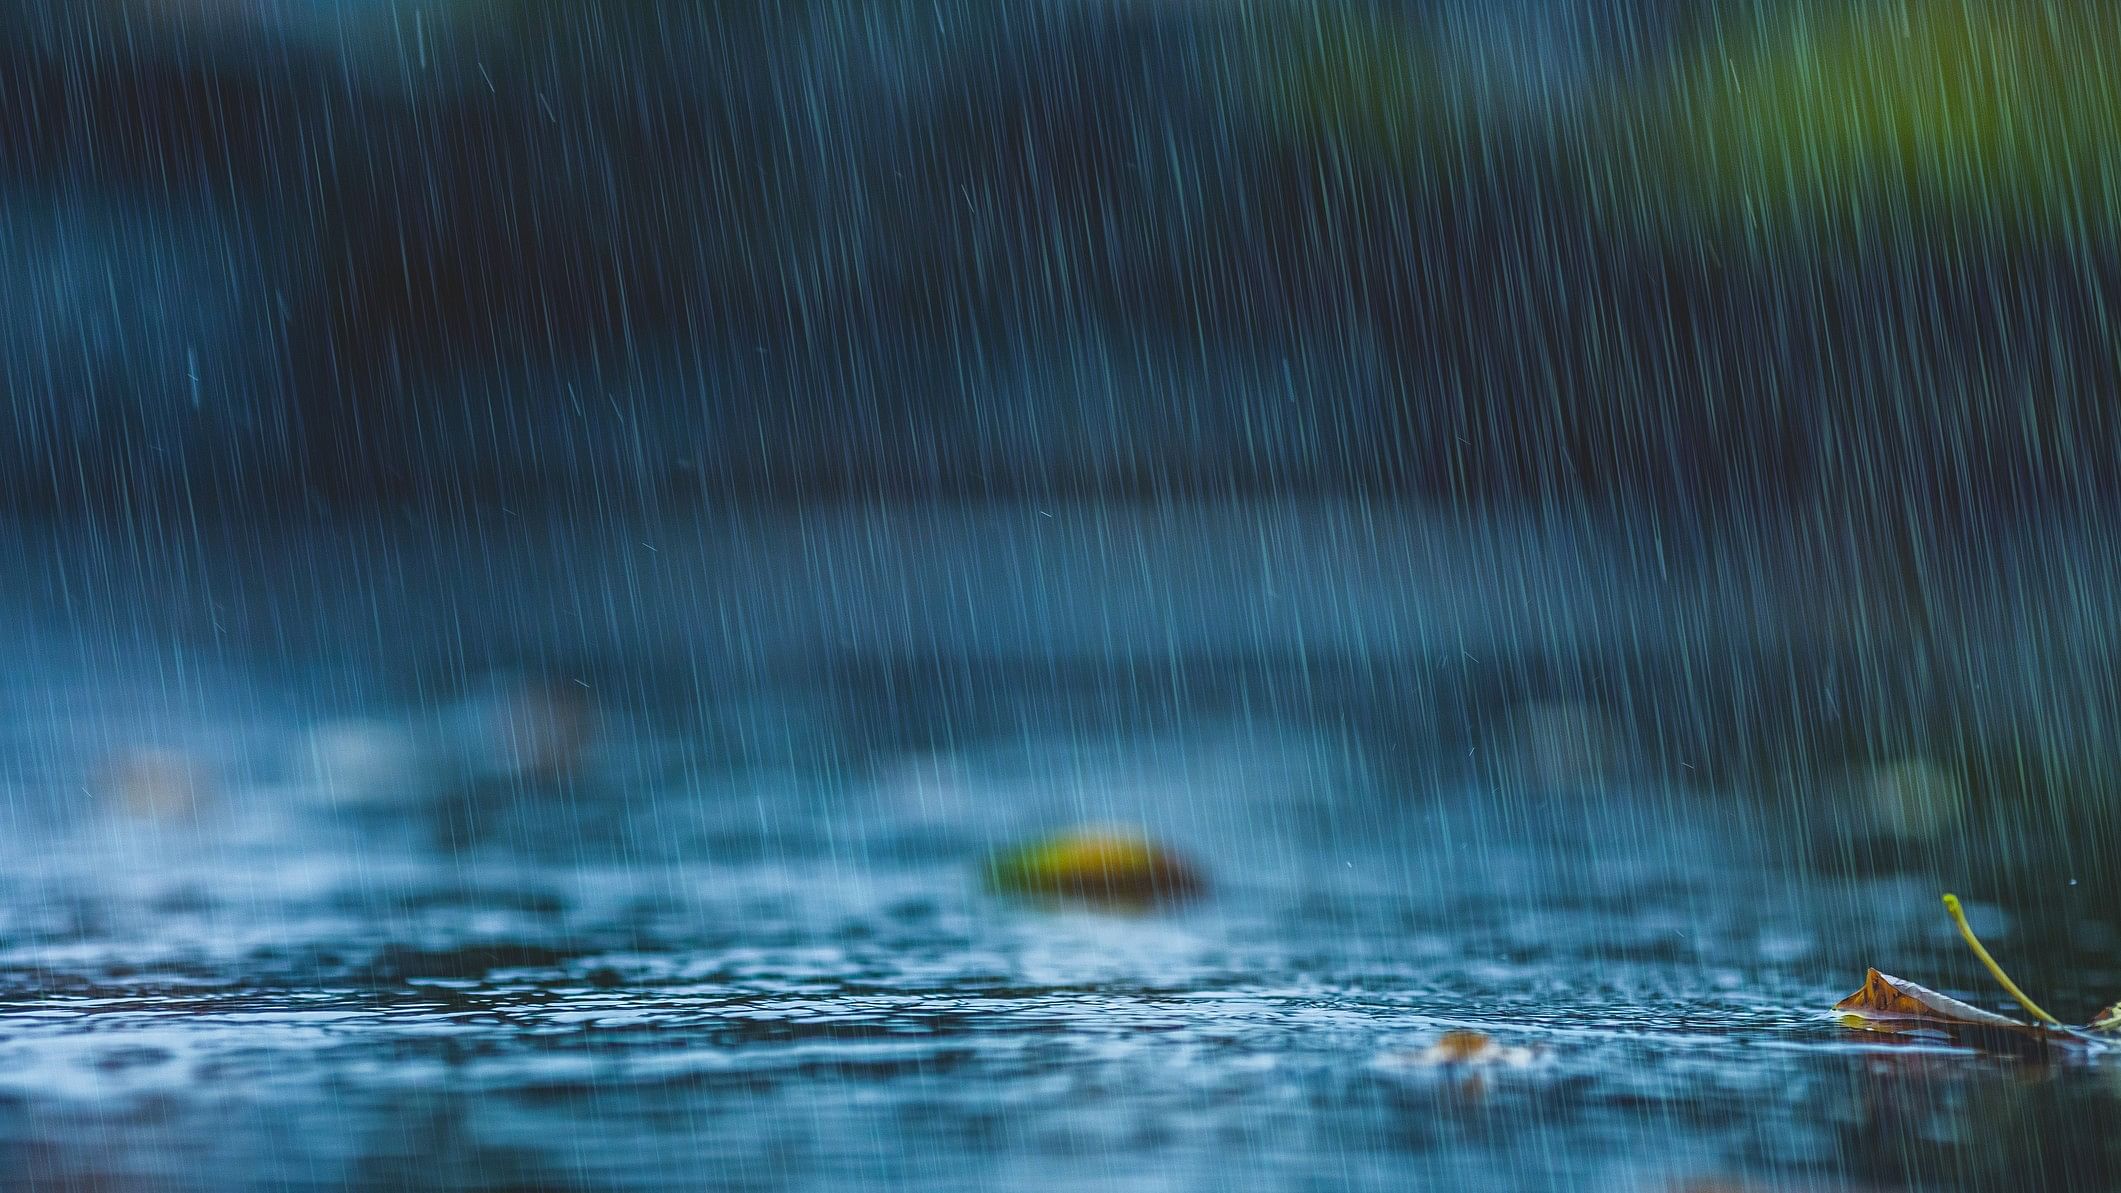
<point>1885,998</point>
<point>2108,1021</point>
<point>1465,1050</point>
<point>1890,1004</point>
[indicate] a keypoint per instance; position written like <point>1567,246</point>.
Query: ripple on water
<point>722,983</point>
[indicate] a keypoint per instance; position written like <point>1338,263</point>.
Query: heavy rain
<point>1060,594</point>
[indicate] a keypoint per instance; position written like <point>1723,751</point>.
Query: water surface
<point>348,860</point>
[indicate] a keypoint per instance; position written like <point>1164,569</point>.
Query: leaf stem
<point>1951,904</point>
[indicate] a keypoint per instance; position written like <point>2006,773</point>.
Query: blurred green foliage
<point>1995,115</point>
<point>2007,111</point>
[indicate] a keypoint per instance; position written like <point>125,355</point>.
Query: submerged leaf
<point>2108,1021</point>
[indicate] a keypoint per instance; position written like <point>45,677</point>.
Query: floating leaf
<point>1886,1001</point>
<point>1470,1050</point>
<point>1462,1059</point>
<point>1097,865</point>
<point>1896,1006</point>
<point>1891,1004</point>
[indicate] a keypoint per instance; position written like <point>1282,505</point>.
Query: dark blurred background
<point>1792,314</point>
<point>1789,318</point>
<point>1785,251</point>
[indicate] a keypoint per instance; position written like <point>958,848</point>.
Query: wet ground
<point>643,853</point>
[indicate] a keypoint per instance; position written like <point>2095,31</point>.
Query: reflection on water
<point>291,898</point>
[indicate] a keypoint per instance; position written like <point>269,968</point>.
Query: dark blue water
<point>613,853</point>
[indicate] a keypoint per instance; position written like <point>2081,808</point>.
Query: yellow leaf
<point>1095,865</point>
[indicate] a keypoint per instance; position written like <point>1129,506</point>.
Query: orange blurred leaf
<point>1465,1052</point>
